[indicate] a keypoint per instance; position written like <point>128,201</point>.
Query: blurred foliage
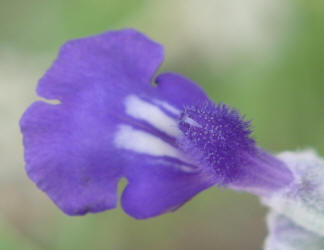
<point>281,91</point>
<point>11,239</point>
<point>43,25</point>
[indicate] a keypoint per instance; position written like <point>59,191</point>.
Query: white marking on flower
<point>152,114</point>
<point>168,107</point>
<point>190,121</point>
<point>142,142</point>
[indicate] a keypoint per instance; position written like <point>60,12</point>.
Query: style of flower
<point>168,139</point>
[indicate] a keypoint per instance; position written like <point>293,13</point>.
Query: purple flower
<point>169,140</point>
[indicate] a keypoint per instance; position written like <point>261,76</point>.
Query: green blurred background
<point>264,57</point>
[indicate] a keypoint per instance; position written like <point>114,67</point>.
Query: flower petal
<point>179,91</point>
<point>158,187</point>
<point>109,59</point>
<point>67,156</point>
<point>111,122</point>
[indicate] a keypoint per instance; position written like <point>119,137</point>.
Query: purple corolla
<point>168,139</point>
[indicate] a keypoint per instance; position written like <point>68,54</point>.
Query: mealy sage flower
<point>115,120</point>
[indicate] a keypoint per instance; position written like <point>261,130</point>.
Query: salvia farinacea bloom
<point>115,120</point>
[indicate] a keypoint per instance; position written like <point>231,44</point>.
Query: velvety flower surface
<point>302,200</point>
<point>285,234</point>
<point>167,139</point>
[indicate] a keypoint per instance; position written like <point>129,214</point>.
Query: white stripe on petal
<point>142,142</point>
<point>168,107</point>
<point>152,114</point>
<point>190,121</point>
